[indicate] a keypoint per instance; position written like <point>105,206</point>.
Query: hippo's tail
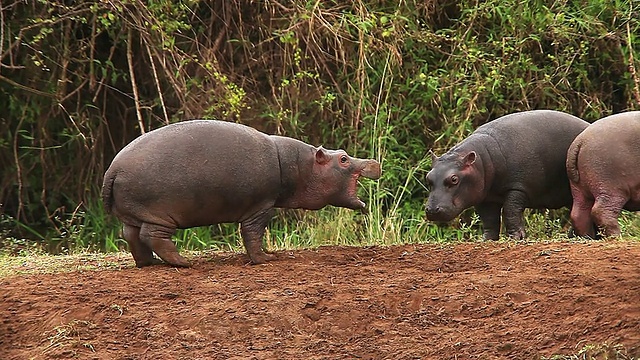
<point>572,161</point>
<point>107,189</point>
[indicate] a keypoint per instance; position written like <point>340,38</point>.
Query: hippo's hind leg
<point>158,238</point>
<point>142,254</point>
<point>581,213</point>
<point>605,212</point>
<point>252,231</point>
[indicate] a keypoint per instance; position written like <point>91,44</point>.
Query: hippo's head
<point>335,175</point>
<point>456,183</point>
<point>313,178</point>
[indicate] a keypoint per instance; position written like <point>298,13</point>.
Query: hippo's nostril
<point>434,210</point>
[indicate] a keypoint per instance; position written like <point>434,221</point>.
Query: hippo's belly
<point>556,198</point>
<point>185,201</point>
<point>549,192</point>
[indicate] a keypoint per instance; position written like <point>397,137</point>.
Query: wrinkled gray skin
<point>203,172</point>
<point>602,164</point>
<point>509,164</point>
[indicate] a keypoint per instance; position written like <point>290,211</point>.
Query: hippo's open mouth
<point>371,170</point>
<point>356,202</point>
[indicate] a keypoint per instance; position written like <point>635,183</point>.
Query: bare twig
<point>92,53</point>
<point>75,91</point>
<point>155,76</point>
<point>216,44</point>
<point>1,30</point>
<point>284,8</point>
<point>16,158</point>
<point>26,88</point>
<point>136,96</point>
<point>61,84</point>
<point>632,68</point>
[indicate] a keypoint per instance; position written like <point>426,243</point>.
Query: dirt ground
<point>465,301</point>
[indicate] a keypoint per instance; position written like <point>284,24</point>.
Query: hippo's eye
<point>454,180</point>
<point>343,159</point>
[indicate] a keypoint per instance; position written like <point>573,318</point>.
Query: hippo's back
<point>192,173</point>
<point>529,128</point>
<point>621,128</point>
<point>531,147</point>
<point>192,135</point>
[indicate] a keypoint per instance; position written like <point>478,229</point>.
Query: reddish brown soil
<point>473,300</point>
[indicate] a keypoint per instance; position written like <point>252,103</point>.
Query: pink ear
<point>470,158</point>
<point>322,157</point>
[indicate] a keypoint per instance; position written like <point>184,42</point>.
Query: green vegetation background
<point>382,79</point>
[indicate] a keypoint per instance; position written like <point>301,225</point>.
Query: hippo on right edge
<point>602,164</point>
<point>509,164</point>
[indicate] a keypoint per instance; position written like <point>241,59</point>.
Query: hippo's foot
<point>177,260</point>
<point>590,235</point>
<point>149,262</point>
<point>158,239</point>
<point>517,234</point>
<point>173,259</point>
<point>491,236</point>
<point>611,232</point>
<point>261,258</point>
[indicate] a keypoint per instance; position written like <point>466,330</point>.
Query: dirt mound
<point>473,300</point>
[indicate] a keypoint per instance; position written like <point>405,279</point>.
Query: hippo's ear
<point>434,157</point>
<point>470,158</point>
<point>322,157</point>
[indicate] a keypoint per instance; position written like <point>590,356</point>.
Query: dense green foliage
<point>389,80</point>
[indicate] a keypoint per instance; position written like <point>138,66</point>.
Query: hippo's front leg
<point>513,213</point>
<point>490,216</point>
<point>252,231</point>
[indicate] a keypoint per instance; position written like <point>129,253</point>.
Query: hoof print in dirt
<point>602,164</point>
<point>509,164</point>
<point>203,172</point>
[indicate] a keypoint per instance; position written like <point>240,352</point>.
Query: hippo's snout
<point>439,214</point>
<point>434,213</point>
<point>371,170</point>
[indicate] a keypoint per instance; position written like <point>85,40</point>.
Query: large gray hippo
<point>203,172</point>
<point>509,164</point>
<point>603,167</point>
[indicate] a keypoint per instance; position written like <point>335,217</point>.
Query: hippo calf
<point>204,172</point>
<point>509,164</point>
<point>602,164</point>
